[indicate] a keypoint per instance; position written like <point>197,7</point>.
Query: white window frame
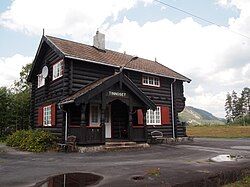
<point>98,115</point>
<point>57,70</point>
<point>47,116</point>
<point>153,117</point>
<point>150,81</point>
<point>90,115</point>
<point>40,81</point>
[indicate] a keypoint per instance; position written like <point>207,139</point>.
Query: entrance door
<point>107,130</point>
<point>119,120</point>
<point>108,122</point>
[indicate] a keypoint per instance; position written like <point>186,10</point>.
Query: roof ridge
<point>67,40</point>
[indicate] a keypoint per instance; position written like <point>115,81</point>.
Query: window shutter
<point>53,114</point>
<point>40,116</point>
<point>139,117</point>
<point>165,115</point>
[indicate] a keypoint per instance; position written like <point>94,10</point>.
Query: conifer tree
<point>228,108</point>
<point>245,95</point>
<point>235,105</point>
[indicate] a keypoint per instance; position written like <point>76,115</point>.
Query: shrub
<point>2,139</point>
<point>31,140</point>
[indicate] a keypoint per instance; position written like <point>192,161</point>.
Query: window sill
<point>93,126</point>
<point>57,78</point>
<point>40,86</point>
<point>149,85</point>
<point>47,126</point>
<point>154,124</point>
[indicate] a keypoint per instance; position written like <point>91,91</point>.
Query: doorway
<point>119,120</point>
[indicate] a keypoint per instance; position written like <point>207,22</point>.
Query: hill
<point>198,116</point>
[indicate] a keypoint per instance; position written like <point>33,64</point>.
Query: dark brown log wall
<point>162,96</point>
<point>85,73</point>
<point>51,92</point>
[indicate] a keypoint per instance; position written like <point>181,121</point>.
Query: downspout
<point>66,123</point>
<point>172,107</point>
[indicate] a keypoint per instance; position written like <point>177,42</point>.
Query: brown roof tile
<point>86,52</point>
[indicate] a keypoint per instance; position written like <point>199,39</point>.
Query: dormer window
<point>150,81</point>
<point>57,70</point>
<point>41,81</point>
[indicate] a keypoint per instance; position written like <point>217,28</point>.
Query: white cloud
<point>10,68</point>
<point>240,24</point>
<point>76,18</point>
<point>210,102</point>
<point>199,89</point>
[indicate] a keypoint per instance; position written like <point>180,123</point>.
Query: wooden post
<point>83,124</point>
<point>103,108</point>
<point>144,111</point>
<point>130,120</point>
<point>83,115</point>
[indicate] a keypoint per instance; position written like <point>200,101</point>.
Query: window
<point>154,117</point>
<point>150,81</point>
<point>57,70</point>
<point>47,116</point>
<point>95,115</point>
<point>41,81</point>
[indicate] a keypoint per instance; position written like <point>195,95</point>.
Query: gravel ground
<point>180,164</point>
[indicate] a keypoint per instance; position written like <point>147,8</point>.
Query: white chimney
<point>99,40</point>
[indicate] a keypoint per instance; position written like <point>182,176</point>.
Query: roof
<point>85,89</point>
<point>103,84</point>
<point>85,52</point>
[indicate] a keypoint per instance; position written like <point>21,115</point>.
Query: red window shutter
<point>139,117</point>
<point>165,115</point>
<point>53,114</point>
<point>40,116</point>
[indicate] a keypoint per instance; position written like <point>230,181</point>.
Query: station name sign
<point>117,94</point>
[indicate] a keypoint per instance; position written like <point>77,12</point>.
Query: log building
<point>97,94</point>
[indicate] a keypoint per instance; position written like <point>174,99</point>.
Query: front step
<point>110,146</point>
<point>125,143</point>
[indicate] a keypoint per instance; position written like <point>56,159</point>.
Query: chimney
<point>99,40</point>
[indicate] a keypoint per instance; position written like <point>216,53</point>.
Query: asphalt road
<point>181,164</point>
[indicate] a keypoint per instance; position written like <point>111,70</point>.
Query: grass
<point>154,172</point>
<point>219,131</point>
<point>245,182</point>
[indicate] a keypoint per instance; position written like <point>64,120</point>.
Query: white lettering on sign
<point>119,94</point>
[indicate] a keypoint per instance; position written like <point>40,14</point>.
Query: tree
<point>235,105</point>
<point>5,107</point>
<point>238,108</point>
<point>228,108</point>
<point>245,95</point>
<point>15,104</point>
<point>21,99</point>
<point>22,84</point>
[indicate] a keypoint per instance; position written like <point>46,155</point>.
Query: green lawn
<point>219,131</point>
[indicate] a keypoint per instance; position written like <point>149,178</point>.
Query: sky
<point>216,58</point>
